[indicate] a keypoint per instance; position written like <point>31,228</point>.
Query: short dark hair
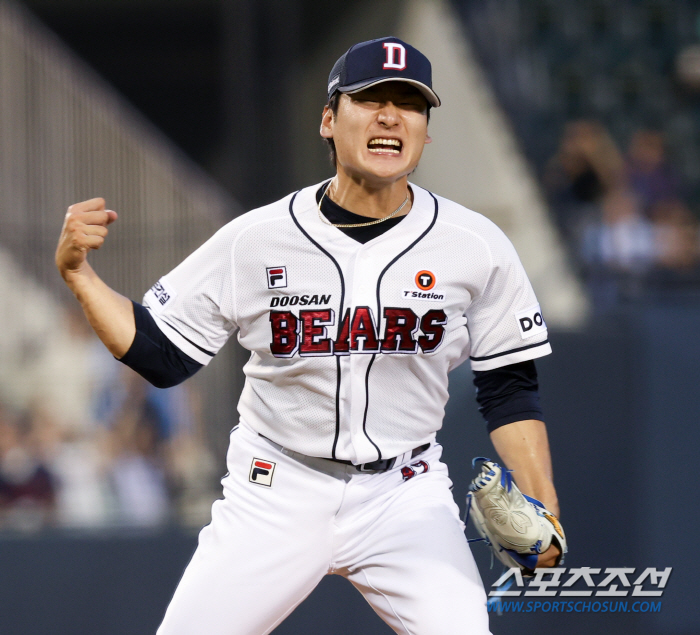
<point>333,104</point>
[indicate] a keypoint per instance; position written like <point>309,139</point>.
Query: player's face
<point>380,132</point>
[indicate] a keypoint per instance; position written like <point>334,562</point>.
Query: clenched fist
<point>84,228</point>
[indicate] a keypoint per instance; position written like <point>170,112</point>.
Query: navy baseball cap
<point>384,60</point>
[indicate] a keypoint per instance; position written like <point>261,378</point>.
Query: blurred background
<point>573,124</point>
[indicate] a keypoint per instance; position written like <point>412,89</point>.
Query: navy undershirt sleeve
<point>508,394</point>
<point>154,356</point>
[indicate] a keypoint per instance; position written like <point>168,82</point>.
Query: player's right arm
<point>110,314</point>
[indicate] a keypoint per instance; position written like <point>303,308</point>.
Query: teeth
<point>385,150</point>
<point>387,142</point>
<point>390,145</point>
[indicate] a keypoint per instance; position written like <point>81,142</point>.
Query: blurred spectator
<point>677,243</point>
<point>624,218</point>
<point>586,167</point>
<point>688,67</point>
<point>157,461</point>
<point>136,468</point>
<point>676,235</point>
<point>649,174</point>
<point>618,249</point>
<point>27,488</point>
<point>79,464</point>
<point>622,240</point>
<point>138,457</point>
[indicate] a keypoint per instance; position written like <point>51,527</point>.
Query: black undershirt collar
<point>337,214</point>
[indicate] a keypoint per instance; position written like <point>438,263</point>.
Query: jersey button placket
<point>363,295</point>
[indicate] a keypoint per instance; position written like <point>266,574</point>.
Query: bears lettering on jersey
<point>314,332</point>
<point>364,336</point>
<point>401,326</point>
<point>285,333</point>
<point>308,334</point>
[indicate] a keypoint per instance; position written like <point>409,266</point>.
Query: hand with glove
<point>517,527</point>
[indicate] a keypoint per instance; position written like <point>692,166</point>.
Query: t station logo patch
<point>425,280</point>
<point>261,472</point>
<point>276,277</point>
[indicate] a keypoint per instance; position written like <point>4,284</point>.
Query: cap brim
<point>428,92</point>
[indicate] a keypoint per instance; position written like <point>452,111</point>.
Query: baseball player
<point>355,298</point>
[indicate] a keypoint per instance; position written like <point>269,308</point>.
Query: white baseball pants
<point>400,542</point>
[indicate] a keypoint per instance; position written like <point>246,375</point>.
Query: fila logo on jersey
<point>530,322</point>
<point>308,334</point>
<point>395,50</point>
<point>261,472</point>
<point>276,277</point>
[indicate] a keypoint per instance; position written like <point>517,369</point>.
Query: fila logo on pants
<point>308,334</point>
<point>261,472</point>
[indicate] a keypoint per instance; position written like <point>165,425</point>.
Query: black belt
<point>382,465</point>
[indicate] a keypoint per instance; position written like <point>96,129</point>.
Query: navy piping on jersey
<point>204,350</point>
<point>342,300</point>
<point>512,350</point>
<point>379,312</point>
<point>364,416</point>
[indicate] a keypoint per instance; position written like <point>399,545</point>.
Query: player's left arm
<point>523,447</point>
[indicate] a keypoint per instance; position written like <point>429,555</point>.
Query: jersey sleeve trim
<point>204,350</point>
<point>513,356</point>
<point>186,345</point>
<point>512,350</point>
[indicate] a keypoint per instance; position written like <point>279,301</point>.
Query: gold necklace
<point>374,222</point>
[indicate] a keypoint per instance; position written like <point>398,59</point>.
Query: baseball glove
<point>515,526</point>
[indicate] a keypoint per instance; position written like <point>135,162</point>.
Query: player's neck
<point>375,201</point>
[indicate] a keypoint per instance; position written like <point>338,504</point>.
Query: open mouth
<point>384,146</point>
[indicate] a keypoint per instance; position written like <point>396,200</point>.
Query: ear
<point>428,138</point>
<point>327,123</point>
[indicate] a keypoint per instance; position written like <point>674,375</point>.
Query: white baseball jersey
<point>351,343</point>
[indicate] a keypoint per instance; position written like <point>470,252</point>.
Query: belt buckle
<point>387,464</point>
